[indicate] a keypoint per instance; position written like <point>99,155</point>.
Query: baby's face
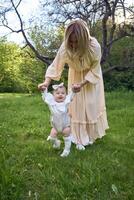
<point>60,94</point>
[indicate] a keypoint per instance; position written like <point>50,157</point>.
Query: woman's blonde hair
<point>80,29</point>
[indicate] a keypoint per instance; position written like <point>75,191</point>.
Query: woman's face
<point>73,43</point>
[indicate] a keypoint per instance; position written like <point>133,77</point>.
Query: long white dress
<point>88,111</point>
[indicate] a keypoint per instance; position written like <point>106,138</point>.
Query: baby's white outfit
<point>60,118</point>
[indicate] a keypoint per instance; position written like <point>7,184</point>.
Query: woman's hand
<point>76,87</point>
<point>44,85</point>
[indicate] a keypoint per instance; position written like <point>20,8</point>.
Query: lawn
<point>31,170</point>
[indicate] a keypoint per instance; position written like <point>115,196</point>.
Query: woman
<point>82,53</point>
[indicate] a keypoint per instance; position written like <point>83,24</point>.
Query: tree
<point>20,71</point>
<point>46,41</point>
<point>105,11</point>
<point>4,22</point>
<point>9,61</point>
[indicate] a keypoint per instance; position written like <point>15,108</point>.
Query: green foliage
<point>31,169</point>
<point>122,52</point>
<point>31,71</point>
<point>122,55</point>
<point>20,71</point>
<point>46,41</point>
<point>116,80</point>
<point>9,60</point>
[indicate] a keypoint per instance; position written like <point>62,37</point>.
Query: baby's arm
<point>47,97</point>
<point>44,94</point>
<point>70,97</point>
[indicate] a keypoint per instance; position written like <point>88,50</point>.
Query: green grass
<point>31,170</point>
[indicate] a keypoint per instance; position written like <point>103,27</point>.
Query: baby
<point>58,103</point>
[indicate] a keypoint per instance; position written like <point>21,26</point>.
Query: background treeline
<point>111,22</point>
<point>21,70</point>
<point>122,55</point>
